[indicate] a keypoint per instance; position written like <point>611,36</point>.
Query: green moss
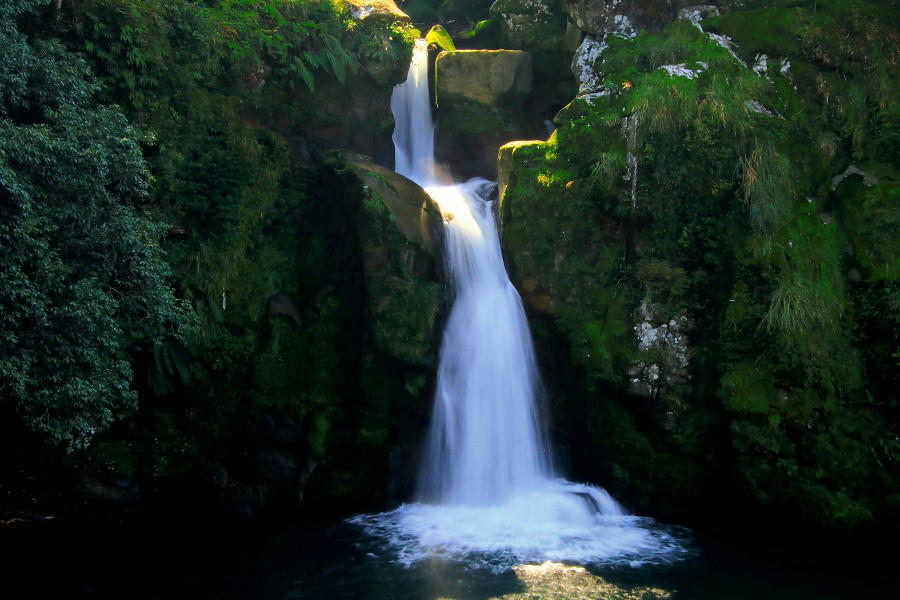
<point>871,221</point>
<point>484,34</point>
<point>440,37</point>
<point>267,230</point>
<point>466,118</point>
<point>748,389</point>
<point>404,315</point>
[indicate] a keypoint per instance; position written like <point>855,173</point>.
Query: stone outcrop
<point>481,96</point>
<point>663,352</point>
<point>354,114</point>
<point>595,17</point>
<point>412,210</point>
<point>525,20</point>
<point>487,77</point>
<point>377,11</point>
<point>400,239</point>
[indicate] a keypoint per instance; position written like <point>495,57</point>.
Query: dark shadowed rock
<point>481,96</point>
<point>598,16</point>
<point>413,211</point>
<point>283,304</point>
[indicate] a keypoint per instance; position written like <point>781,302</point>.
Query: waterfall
<point>486,485</point>
<point>484,443</point>
<point>413,130</point>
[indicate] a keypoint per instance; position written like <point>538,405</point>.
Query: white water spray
<point>491,493</point>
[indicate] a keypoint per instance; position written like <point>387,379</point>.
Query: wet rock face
<point>487,77</point>
<point>595,17</point>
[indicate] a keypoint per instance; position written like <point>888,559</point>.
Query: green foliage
<point>734,222</point>
<point>264,236</point>
<point>83,271</point>
<point>439,36</point>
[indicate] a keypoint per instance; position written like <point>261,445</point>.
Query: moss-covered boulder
<point>481,97</point>
<point>488,77</point>
<point>440,38</point>
<point>400,237</point>
<point>597,16</point>
<point>377,11</point>
<point>412,210</point>
<point>507,160</point>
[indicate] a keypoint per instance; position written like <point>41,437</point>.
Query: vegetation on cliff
<point>691,230</point>
<point>269,363</point>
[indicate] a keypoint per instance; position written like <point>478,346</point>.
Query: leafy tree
<point>83,274</point>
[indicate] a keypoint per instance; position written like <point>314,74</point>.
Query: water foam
<point>559,521</point>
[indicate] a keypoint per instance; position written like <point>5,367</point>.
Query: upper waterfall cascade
<point>487,487</point>
<point>484,443</point>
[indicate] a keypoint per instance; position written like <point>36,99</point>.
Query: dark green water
<point>296,561</point>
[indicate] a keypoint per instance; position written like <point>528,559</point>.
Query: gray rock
<point>596,17</point>
<point>487,77</point>
<point>376,10</point>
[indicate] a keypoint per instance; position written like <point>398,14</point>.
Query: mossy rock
<point>440,37</point>
<point>595,17</point>
<point>412,210</point>
<point>746,213</point>
<point>533,25</point>
<point>512,155</point>
<point>487,77</point>
<point>404,316</point>
<point>400,239</point>
<point>380,11</point>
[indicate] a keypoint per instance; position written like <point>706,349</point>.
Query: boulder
<point>596,17</point>
<point>506,162</point>
<point>376,10</point>
<point>486,77</point>
<point>482,98</point>
<point>412,210</point>
<point>441,38</point>
<point>528,21</point>
<point>400,238</point>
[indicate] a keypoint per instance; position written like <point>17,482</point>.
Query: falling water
<point>487,490</point>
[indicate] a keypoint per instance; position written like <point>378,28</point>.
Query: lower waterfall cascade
<point>487,492</point>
